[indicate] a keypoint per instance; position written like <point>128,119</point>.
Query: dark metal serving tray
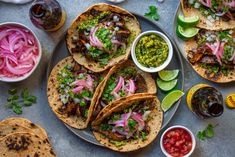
<point>61,52</point>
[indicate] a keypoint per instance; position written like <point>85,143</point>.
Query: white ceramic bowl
<point>21,78</point>
<point>182,127</point>
<point>152,69</point>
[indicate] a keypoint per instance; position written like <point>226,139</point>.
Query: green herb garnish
<point>207,133</point>
<point>153,13</point>
<point>15,103</point>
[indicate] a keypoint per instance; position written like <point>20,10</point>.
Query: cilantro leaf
<point>17,109</point>
<point>153,13</point>
<point>12,91</point>
<point>25,93</point>
<point>15,103</point>
<point>208,132</point>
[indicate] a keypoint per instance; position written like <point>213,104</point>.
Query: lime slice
<point>186,33</point>
<point>166,85</point>
<point>168,75</point>
<point>170,99</point>
<point>187,21</point>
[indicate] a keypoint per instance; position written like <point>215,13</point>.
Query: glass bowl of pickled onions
<point>20,52</point>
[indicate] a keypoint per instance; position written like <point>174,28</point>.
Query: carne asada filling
<point>215,52</point>
<point>76,88</point>
<point>102,36</point>
<point>130,124</point>
<point>214,9</point>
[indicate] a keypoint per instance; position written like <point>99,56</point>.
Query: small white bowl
<point>21,78</point>
<point>152,69</point>
<point>182,127</point>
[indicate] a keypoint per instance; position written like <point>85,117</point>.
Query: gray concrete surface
<point>65,143</point>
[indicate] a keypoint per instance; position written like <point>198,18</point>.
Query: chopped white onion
<point>191,1</point>
<point>88,46</point>
<point>115,18</point>
<point>197,5</point>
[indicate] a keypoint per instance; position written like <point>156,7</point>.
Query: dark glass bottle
<point>205,101</point>
<point>47,15</point>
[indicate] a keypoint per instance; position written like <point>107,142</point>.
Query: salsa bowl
<point>164,62</point>
<point>177,141</point>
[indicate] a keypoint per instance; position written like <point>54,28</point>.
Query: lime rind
<point>168,75</point>
<point>186,33</point>
<point>170,99</point>
<point>166,85</point>
<point>187,21</point>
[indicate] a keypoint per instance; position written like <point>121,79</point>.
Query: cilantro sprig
<point>15,102</point>
<point>208,132</point>
<point>153,13</point>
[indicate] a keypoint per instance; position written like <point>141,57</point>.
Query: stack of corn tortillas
<point>20,137</point>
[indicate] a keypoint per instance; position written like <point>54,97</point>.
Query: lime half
<point>168,75</point>
<point>166,85</point>
<point>186,33</point>
<point>187,21</point>
<point>170,99</point>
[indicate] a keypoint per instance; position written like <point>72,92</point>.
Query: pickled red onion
<point>18,51</point>
<point>119,85</point>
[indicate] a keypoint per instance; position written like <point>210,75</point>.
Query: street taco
<point>212,54</point>
<point>130,125</point>
<point>72,91</point>
<point>102,36</point>
<point>122,81</point>
<point>213,14</point>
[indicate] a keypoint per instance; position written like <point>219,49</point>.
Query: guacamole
<point>151,50</point>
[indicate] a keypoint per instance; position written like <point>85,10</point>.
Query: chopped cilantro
<point>111,84</point>
<point>82,103</point>
<point>143,135</point>
<point>131,123</point>
<point>104,35</point>
<point>105,127</point>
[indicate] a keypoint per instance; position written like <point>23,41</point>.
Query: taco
<point>72,91</point>
<point>102,36</point>
<point>130,125</point>
<point>212,54</point>
<point>122,81</point>
<point>213,14</point>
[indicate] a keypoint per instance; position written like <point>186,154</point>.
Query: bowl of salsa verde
<point>152,51</point>
<point>177,141</point>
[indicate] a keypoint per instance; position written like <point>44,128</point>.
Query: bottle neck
<point>38,10</point>
<point>215,109</point>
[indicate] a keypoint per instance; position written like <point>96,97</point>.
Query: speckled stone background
<point>65,143</point>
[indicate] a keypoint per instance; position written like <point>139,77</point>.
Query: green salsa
<point>151,50</point>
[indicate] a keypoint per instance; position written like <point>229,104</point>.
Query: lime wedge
<point>170,99</point>
<point>168,75</point>
<point>186,33</point>
<point>166,85</point>
<point>187,21</point>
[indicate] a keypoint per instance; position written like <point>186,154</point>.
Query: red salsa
<point>177,142</point>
